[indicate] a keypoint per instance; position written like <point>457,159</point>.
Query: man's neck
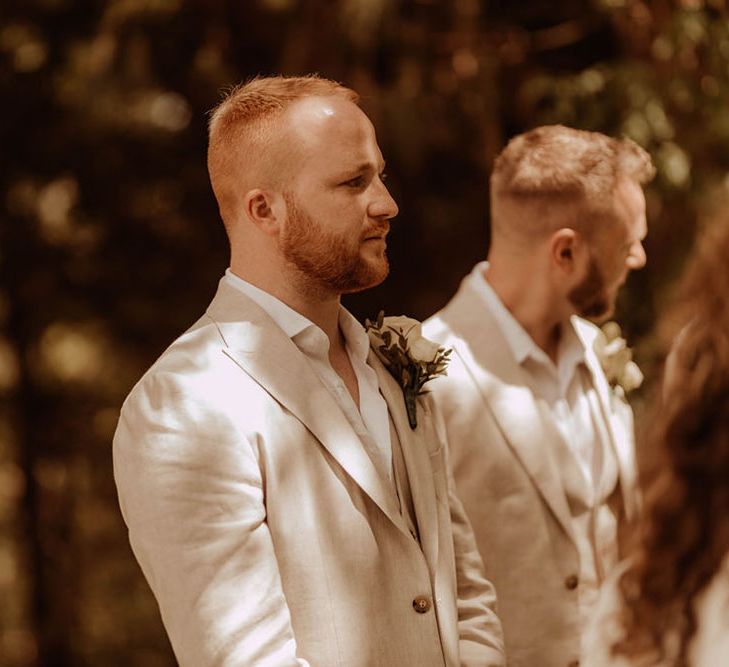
<point>527,297</point>
<point>319,308</point>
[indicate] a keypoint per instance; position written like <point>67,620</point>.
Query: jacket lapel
<point>620,427</point>
<point>259,347</point>
<point>416,447</point>
<point>505,388</point>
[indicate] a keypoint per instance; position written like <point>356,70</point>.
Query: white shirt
<point>566,387</point>
<point>370,421</point>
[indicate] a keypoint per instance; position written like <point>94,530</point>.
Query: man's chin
<point>367,276</point>
<point>597,312</point>
<point>598,309</point>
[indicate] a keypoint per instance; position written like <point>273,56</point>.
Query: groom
<point>282,508</point>
<point>541,445</point>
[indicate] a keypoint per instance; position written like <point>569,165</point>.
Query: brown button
<point>571,583</point>
<point>574,663</point>
<point>421,604</point>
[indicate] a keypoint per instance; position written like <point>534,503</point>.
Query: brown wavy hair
<point>683,537</point>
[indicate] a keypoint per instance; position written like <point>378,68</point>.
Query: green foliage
<point>110,242</point>
<point>411,359</point>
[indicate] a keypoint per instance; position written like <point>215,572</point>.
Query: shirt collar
<point>358,342</point>
<point>518,340</point>
<point>571,351</point>
<point>571,347</point>
<point>284,316</point>
<point>294,323</point>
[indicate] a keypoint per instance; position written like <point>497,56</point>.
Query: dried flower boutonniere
<point>411,359</point>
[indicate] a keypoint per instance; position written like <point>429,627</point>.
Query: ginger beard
<point>590,298</point>
<point>327,262</point>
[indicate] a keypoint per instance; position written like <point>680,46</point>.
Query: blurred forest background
<point>110,242</point>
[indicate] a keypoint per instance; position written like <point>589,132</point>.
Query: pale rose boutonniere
<point>411,359</point>
<point>616,359</point>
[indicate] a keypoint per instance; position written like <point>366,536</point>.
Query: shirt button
<point>570,583</point>
<point>421,604</point>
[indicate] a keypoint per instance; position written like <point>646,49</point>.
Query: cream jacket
<point>262,527</point>
<point>500,444</point>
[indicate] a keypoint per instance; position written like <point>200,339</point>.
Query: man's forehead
<point>317,108</point>
<point>310,117</point>
<point>333,129</point>
<point>629,193</point>
<point>636,204</point>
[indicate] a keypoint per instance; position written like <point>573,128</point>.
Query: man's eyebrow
<point>370,166</point>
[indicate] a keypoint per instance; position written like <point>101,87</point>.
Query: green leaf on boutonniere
<point>411,359</point>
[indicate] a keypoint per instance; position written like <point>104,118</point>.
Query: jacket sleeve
<point>481,639</point>
<point>191,492</point>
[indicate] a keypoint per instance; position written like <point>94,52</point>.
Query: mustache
<point>378,228</point>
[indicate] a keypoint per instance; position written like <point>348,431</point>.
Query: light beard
<point>590,298</point>
<point>326,263</point>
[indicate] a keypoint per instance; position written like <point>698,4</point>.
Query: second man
<point>542,444</point>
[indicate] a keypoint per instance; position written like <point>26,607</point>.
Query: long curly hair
<point>683,537</point>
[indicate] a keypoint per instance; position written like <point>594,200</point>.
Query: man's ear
<point>265,210</point>
<point>566,247</point>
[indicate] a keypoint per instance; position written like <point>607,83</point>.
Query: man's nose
<point>636,257</point>
<point>382,205</point>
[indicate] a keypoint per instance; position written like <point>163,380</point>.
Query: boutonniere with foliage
<point>411,359</point>
<point>616,359</point>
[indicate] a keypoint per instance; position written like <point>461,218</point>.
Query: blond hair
<point>242,130</point>
<point>553,166</point>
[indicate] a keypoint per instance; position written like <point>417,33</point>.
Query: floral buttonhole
<point>616,359</point>
<point>411,359</point>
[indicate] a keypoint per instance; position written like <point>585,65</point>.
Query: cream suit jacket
<point>262,526</point>
<point>510,487</point>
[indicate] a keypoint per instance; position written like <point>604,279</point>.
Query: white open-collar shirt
<point>371,420</point>
<point>564,386</point>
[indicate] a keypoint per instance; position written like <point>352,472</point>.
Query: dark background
<point>110,242</point>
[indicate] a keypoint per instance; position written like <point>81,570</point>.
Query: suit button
<point>421,604</point>
<point>570,583</point>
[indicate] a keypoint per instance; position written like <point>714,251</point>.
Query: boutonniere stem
<point>411,359</point>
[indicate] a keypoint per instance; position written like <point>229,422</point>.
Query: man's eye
<point>383,176</point>
<point>356,182</point>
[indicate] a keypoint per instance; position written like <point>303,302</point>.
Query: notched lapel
<point>620,432</point>
<point>417,446</point>
<point>505,389</point>
<point>268,356</point>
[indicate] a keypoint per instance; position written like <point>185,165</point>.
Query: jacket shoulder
<point>436,328</point>
<point>440,326</point>
<point>192,378</point>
